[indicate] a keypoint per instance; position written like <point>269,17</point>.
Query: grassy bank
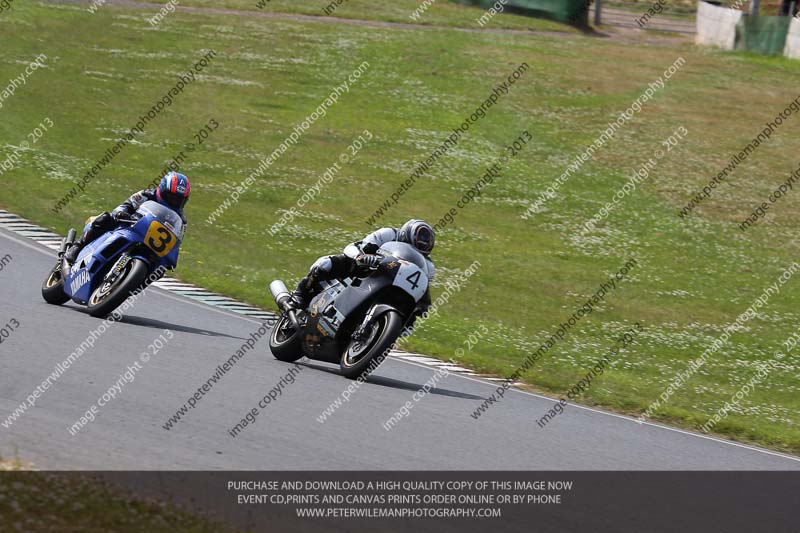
<point>39,501</point>
<point>694,275</point>
<point>437,13</point>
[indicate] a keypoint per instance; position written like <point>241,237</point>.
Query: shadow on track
<point>392,383</point>
<point>158,324</point>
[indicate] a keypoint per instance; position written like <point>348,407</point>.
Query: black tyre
<point>53,287</point>
<point>361,358</point>
<point>107,297</point>
<point>284,341</point>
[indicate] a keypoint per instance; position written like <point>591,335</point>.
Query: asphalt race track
<point>439,433</point>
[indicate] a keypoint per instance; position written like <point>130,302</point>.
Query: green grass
<point>39,501</point>
<point>441,13</point>
<point>694,275</point>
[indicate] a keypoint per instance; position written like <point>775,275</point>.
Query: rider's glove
<point>368,260</point>
<point>121,215</point>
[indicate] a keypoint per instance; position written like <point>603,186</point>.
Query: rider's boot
<point>72,253</point>
<point>304,292</point>
<point>99,226</point>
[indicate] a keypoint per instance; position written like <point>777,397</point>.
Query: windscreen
<point>406,252</point>
<point>166,215</point>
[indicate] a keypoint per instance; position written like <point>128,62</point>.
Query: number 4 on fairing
<point>408,278</point>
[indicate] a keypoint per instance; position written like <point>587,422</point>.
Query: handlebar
<point>362,271</point>
<point>128,219</point>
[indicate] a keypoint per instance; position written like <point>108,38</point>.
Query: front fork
<point>114,273</point>
<point>360,333</point>
<point>374,311</point>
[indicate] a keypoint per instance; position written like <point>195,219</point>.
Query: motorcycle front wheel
<point>108,296</point>
<point>362,357</point>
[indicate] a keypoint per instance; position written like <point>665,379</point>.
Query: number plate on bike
<point>160,239</point>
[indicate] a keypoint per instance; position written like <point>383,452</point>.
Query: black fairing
<point>338,309</point>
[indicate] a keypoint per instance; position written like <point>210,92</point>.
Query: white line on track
<point>623,417</point>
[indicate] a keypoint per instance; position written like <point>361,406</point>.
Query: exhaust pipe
<point>284,300</point>
<point>66,243</point>
<point>281,295</point>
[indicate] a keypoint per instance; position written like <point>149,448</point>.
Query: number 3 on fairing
<point>160,239</point>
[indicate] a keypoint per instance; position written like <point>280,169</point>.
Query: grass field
<point>694,274</point>
<point>438,13</point>
<point>36,501</point>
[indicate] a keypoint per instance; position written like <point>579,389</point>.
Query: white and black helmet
<point>418,234</point>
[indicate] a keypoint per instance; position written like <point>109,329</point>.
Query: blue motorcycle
<point>119,264</point>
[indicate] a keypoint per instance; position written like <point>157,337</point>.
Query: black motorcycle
<point>377,306</point>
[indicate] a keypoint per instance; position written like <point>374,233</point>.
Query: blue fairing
<point>165,229</point>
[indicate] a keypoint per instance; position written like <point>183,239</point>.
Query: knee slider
<point>322,266</point>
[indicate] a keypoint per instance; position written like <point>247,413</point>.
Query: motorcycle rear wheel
<point>284,341</point>
<point>359,360</point>
<point>53,287</point>
<point>105,300</point>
